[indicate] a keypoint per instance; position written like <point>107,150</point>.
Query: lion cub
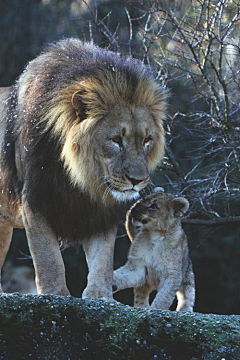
<point>159,256</point>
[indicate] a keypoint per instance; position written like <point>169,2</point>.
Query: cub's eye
<point>117,140</point>
<point>147,140</point>
<point>153,207</point>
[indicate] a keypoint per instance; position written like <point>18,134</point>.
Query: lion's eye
<point>153,207</point>
<point>117,140</point>
<point>147,140</point>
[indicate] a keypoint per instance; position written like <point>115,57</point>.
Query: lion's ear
<point>79,105</point>
<point>180,206</point>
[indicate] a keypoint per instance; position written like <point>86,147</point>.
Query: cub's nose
<point>135,181</point>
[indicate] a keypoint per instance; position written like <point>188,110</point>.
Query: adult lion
<point>80,131</point>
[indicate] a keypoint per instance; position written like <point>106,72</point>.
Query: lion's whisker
<point>100,177</point>
<point>107,191</point>
<point>103,183</point>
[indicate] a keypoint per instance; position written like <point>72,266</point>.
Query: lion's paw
<point>96,292</point>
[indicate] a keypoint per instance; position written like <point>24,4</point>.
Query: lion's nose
<point>134,181</point>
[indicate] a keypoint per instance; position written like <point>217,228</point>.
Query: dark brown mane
<point>41,115</point>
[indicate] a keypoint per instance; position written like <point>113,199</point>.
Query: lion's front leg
<point>99,254</point>
<point>46,254</point>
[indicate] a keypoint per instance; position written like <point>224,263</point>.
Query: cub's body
<point>159,255</point>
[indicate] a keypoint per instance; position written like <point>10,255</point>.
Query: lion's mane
<point>43,123</point>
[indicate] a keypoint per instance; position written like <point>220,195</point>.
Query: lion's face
<point>124,144</point>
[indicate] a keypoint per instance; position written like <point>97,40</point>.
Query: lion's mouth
<point>124,194</point>
<point>112,187</point>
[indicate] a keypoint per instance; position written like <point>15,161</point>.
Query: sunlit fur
<point>106,86</point>
<point>49,119</point>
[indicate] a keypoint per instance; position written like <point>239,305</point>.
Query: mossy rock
<point>55,327</point>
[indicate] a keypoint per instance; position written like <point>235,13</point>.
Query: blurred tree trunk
<point>52,327</point>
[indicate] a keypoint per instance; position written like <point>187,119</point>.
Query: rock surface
<point>55,327</point>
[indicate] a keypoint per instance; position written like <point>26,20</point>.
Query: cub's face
<point>156,213</point>
<point>128,145</point>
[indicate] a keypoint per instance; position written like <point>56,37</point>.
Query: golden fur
<point>80,131</point>
<point>99,94</point>
<point>159,257</point>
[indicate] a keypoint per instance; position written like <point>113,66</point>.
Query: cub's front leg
<point>129,275</point>
<point>166,292</point>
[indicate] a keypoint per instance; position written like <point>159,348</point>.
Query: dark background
<point>25,26</point>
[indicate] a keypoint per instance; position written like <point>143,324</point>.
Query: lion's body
<point>159,256</point>
<point>64,173</point>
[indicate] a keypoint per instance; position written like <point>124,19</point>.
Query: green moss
<point>58,327</point>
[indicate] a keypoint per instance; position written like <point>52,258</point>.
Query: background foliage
<point>193,47</point>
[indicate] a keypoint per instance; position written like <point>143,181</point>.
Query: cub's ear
<point>180,206</point>
<point>79,105</point>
